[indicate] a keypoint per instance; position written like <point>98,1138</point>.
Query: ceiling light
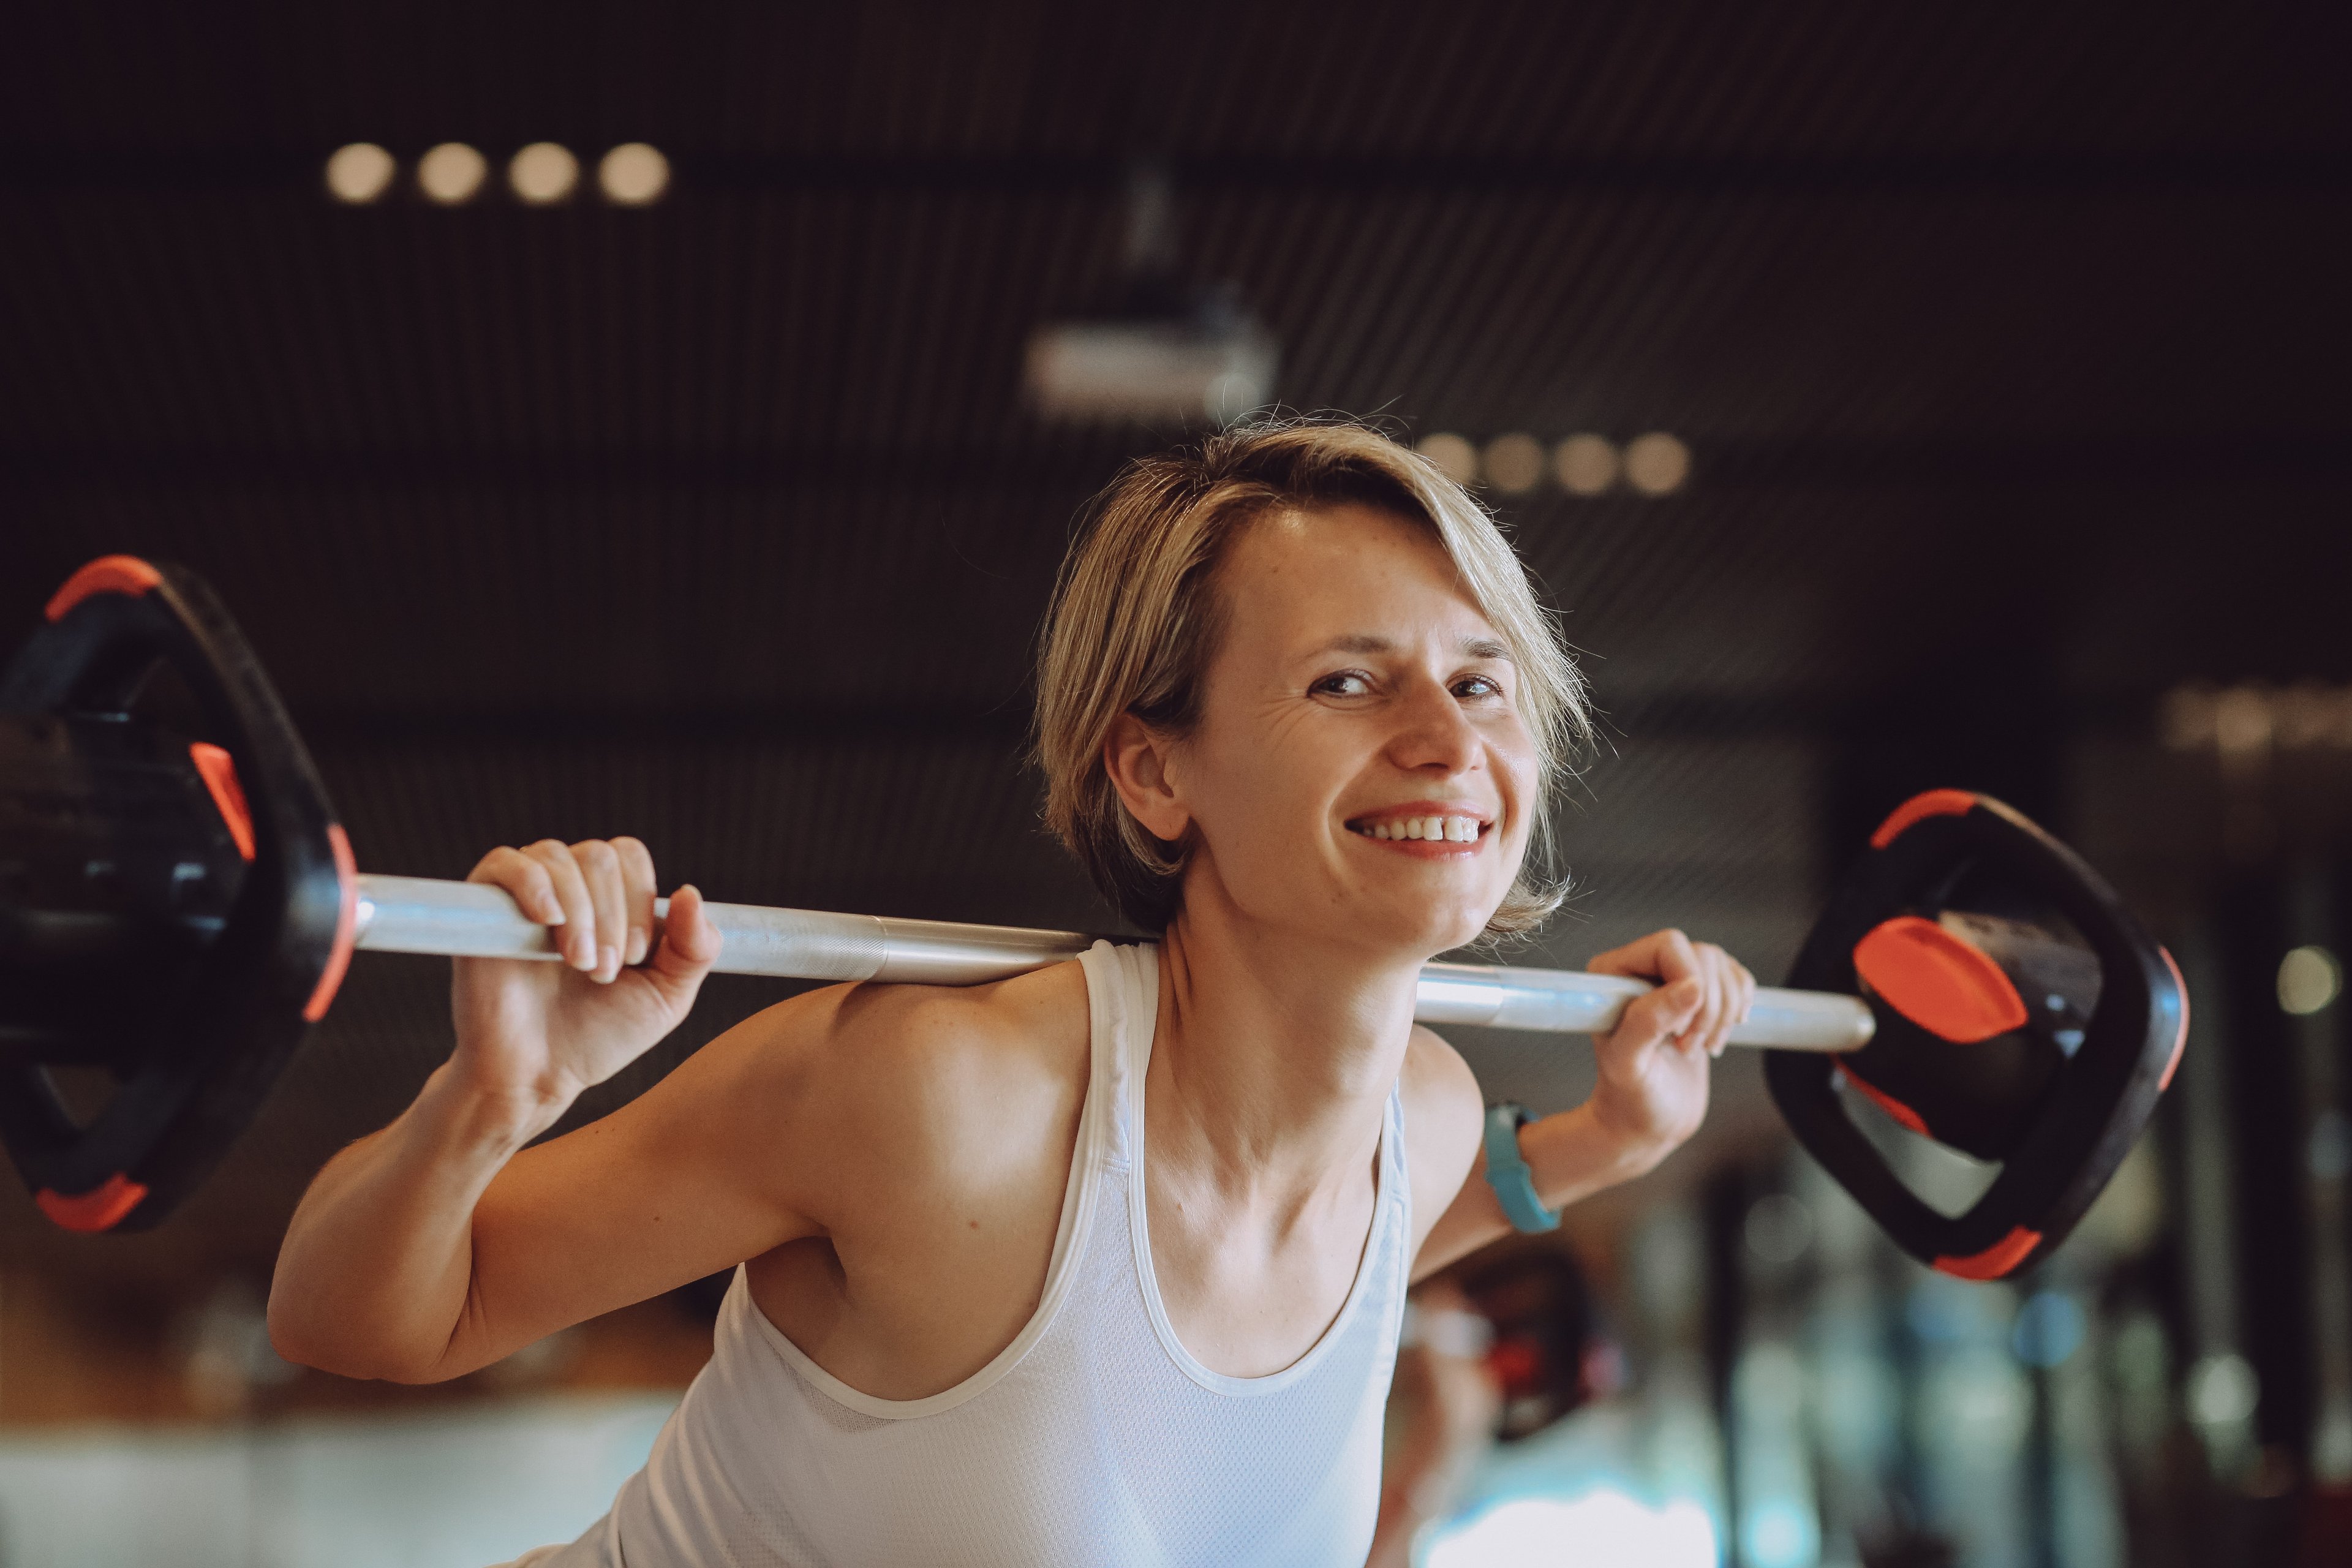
<point>1585,464</point>
<point>451,172</point>
<point>2311,715</point>
<point>2185,718</point>
<point>359,173</point>
<point>2242,720</point>
<point>1456,459</point>
<point>2309,978</point>
<point>1164,350</point>
<point>1514,463</point>
<point>1150,369</point>
<point>633,174</point>
<point>544,172</point>
<point>1656,464</point>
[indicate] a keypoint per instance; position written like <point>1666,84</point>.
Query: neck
<point>1271,1063</point>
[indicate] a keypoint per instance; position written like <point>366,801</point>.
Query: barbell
<point>177,908</point>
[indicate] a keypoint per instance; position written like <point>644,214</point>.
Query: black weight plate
<point>2059,1100</point>
<point>196,1005</point>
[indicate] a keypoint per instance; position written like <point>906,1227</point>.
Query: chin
<point>1461,935</point>
<point>1389,916</point>
<point>1423,932</point>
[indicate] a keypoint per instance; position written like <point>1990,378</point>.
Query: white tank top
<point>1094,1438</point>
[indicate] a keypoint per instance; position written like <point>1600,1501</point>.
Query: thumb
<point>689,942</point>
<point>1649,1020</point>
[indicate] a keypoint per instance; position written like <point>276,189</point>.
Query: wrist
<point>483,1120</point>
<point>1623,1147</point>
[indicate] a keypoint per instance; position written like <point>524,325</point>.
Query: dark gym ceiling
<point>2008,340</point>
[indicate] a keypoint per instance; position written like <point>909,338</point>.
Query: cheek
<point>1269,784</point>
<point>1513,758</point>
<point>1519,777</point>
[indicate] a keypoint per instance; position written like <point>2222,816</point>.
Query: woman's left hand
<point>1651,1091</point>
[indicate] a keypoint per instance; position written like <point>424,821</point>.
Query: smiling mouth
<point>1435,827</point>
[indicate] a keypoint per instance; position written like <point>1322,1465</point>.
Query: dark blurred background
<point>2005,345</point>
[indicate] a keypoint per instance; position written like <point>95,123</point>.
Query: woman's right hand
<point>532,1035</point>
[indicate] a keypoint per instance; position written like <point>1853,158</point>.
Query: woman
<point>1105,1263</point>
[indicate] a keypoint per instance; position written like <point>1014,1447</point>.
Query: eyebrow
<point>1366,642</point>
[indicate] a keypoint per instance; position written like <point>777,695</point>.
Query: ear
<point>1139,762</point>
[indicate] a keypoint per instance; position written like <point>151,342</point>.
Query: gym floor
<point>2000,350</point>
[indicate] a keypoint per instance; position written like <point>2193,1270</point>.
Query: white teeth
<point>1445,829</point>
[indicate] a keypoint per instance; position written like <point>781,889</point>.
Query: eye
<point>1344,683</point>
<point>1478,687</point>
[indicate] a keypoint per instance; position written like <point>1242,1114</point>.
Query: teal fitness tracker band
<point>1507,1172</point>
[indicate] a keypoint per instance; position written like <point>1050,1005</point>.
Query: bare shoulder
<point>1443,1111</point>
<point>884,1088</point>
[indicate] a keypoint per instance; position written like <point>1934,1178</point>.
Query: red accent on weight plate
<point>2180,1039</point>
<point>108,574</point>
<point>218,771</point>
<point>1886,1102</point>
<point>1516,1364</point>
<point>1939,980</point>
<point>1935,803</point>
<point>101,1208</point>
<point>347,922</point>
<point>1996,1260</point>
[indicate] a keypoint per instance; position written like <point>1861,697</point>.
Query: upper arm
<point>854,1112</point>
<point>691,1178</point>
<point>1444,1113</point>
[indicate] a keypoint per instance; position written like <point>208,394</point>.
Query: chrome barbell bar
<point>417,914</point>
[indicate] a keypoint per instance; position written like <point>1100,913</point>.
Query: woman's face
<point>1361,771</point>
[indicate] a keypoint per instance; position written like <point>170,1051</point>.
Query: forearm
<point>1650,1096</point>
<point>375,1277</point>
<point>1576,1153</point>
<point>1400,1519</point>
<point>1571,1155</point>
<point>1448,1401</point>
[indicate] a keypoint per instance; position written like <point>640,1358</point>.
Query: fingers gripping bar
<point>416,914</point>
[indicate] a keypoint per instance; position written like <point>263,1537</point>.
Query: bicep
<point>694,1176</point>
<point>1455,1213</point>
<point>1474,1219</point>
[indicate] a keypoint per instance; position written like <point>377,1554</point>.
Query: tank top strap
<point>1396,1189</point>
<point>1122,1010</point>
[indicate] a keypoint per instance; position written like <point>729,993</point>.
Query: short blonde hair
<point>1134,621</point>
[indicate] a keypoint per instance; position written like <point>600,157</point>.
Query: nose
<point>1434,735</point>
